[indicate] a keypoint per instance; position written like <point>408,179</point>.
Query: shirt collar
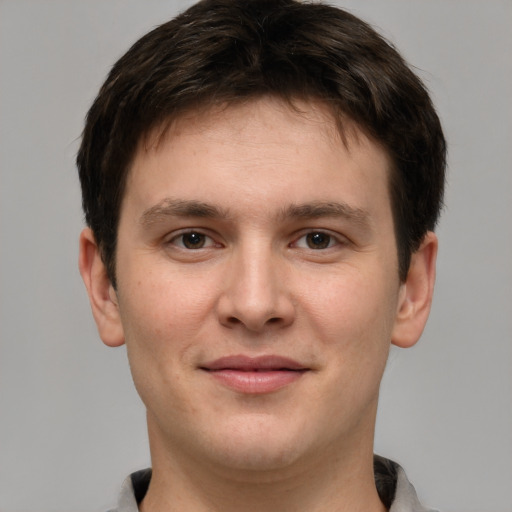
<point>394,488</point>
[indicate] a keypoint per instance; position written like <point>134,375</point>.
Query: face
<point>258,285</point>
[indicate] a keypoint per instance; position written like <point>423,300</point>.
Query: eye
<point>316,240</point>
<point>192,240</point>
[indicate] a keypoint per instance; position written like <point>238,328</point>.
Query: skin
<point>255,230</point>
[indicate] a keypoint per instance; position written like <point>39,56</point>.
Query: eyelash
<point>205,241</point>
<point>178,240</point>
<point>332,240</point>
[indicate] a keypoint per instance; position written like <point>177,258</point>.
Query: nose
<point>255,294</point>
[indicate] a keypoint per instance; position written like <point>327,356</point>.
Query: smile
<point>258,375</point>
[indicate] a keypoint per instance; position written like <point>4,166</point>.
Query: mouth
<point>255,375</point>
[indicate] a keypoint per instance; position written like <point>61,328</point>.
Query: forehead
<point>259,146</point>
<point>301,116</point>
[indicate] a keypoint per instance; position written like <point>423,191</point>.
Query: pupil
<point>193,240</point>
<point>318,240</point>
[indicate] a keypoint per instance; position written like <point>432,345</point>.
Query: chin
<point>260,444</point>
<point>257,456</point>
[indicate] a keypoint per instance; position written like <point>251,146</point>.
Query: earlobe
<point>416,293</point>
<point>102,296</point>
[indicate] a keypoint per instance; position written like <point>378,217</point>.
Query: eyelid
<point>176,235</point>
<point>337,238</point>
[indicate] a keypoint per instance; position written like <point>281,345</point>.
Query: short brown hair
<point>226,51</point>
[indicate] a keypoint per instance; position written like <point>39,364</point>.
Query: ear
<point>102,295</point>
<point>415,296</point>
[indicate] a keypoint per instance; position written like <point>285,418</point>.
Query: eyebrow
<point>191,208</point>
<point>181,208</point>
<point>316,210</point>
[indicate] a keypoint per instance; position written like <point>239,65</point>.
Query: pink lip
<point>255,375</point>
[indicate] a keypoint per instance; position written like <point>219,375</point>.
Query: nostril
<point>233,320</point>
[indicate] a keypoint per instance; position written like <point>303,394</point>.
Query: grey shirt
<point>395,490</point>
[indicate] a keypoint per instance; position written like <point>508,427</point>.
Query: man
<point>261,181</point>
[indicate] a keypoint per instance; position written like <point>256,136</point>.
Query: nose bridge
<point>256,267</point>
<point>254,293</point>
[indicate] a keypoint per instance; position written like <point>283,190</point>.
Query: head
<point>227,53</point>
<point>260,181</point>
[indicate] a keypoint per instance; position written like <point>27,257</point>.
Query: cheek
<point>351,300</point>
<point>167,318</point>
<point>353,317</point>
<point>159,344</point>
<point>161,303</point>
<point>161,320</point>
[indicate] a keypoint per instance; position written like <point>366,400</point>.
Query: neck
<point>331,480</point>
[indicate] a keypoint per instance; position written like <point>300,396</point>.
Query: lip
<point>255,375</point>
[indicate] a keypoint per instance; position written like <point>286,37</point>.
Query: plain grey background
<point>71,424</point>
